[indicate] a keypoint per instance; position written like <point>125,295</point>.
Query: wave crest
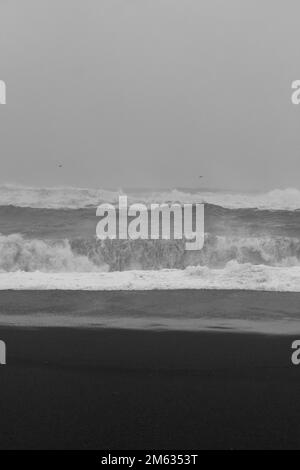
<point>76,198</point>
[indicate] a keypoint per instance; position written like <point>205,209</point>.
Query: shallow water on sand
<point>260,312</point>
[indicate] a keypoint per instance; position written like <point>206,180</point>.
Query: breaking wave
<point>76,198</point>
<point>18,253</point>
<point>218,251</point>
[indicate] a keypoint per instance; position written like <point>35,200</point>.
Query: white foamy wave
<point>75,198</point>
<point>233,277</point>
<point>123,255</point>
<point>20,254</point>
<point>274,251</point>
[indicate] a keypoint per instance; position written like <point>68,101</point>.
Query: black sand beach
<point>66,388</point>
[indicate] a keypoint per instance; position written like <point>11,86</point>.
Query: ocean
<point>48,240</point>
<point>246,278</point>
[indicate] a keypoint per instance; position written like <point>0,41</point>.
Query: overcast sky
<point>150,93</point>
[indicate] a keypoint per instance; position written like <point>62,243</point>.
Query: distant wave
<point>18,253</point>
<point>75,198</point>
<point>54,198</point>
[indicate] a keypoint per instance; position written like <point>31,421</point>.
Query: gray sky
<point>150,93</point>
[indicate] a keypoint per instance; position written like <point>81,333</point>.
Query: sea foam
<point>234,276</point>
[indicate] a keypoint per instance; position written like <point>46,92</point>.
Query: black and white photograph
<point>149,228</point>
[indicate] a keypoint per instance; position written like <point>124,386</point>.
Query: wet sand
<point>65,388</point>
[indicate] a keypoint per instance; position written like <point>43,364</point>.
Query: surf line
<point>154,222</point>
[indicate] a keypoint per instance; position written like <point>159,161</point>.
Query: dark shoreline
<point>66,388</point>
